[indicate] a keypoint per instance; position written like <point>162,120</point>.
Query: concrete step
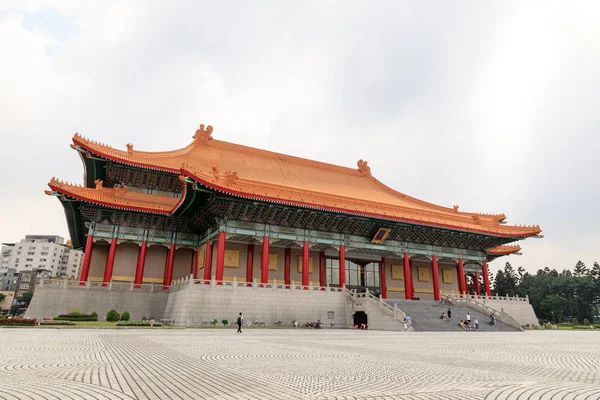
<point>425,316</point>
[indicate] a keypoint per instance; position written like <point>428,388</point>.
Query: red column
<point>169,268</point>
<point>476,283</point>
<point>436,278</point>
<point>407,278</point>
<point>286,266</point>
<point>220,257</point>
<point>305,256</point>
<point>196,262</point>
<point>382,279</point>
<point>264,261</point>
<point>486,279</point>
<point>208,250</point>
<point>87,257</point>
<point>250,264</point>
<point>322,269</point>
<point>110,262</point>
<point>193,262</point>
<point>462,279</point>
<point>342,266</point>
<point>141,262</point>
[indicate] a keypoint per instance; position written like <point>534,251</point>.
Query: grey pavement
<point>297,364</point>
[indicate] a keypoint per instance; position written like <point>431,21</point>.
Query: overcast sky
<point>489,105</point>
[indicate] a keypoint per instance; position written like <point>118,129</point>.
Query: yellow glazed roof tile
<point>259,174</point>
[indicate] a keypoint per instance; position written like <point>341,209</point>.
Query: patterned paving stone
<point>297,364</point>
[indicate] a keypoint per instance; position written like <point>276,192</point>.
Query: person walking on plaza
<point>469,318</point>
<point>476,322</point>
<point>449,313</point>
<point>240,322</point>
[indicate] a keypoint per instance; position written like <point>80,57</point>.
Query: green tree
<point>2,297</point>
<point>26,297</point>
<point>580,269</point>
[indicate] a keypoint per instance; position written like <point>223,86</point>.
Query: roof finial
<point>129,147</point>
<point>363,168</point>
<point>203,135</point>
<point>455,208</point>
<point>98,183</point>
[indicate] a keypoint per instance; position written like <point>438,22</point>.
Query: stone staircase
<point>425,316</point>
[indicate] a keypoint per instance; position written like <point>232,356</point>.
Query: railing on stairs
<point>478,303</point>
<point>393,311</point>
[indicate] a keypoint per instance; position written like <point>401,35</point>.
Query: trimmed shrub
<point>76,314</point>
<point>112,316</point>
<point>138,323</point>
<point>17,321</point>
<point>575,321</point>
<point>214,322</point>
<point>225,322</point>
<point>586,321</point>
<point>95,315</point>
<point>125,316</point>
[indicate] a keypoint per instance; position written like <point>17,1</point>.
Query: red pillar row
<point>476,284</point>
<point>322,280</point>
<point>110,262</point>
<point>249,264</point>
<point>194,264</point>
<point>305,264</point>
<point>141,262</point>
<point>486,279</point>
<point>87,257</point>
<point>220,257</point>
<point>264,270</point>
<point>342,266</point>
<point>408,291</point>
<point>286,266</point>
<point>436,278</point>
<point>382,279</point>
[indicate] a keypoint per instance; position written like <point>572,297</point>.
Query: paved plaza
<point>296,364</point>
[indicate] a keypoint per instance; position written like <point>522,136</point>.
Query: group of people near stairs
<point>464,324</point>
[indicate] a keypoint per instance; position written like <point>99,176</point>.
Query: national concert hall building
<point>219,210</point>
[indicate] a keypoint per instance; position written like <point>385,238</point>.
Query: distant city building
<point>48,253</point>
<point>8,280</point>
<point>6,304</point>
<point>25,283</point>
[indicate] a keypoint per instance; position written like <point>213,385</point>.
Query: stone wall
<point>52,301</point>
<point>198,303</point>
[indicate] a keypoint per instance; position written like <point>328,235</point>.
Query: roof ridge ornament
<point>203,135</point>
<point>129,148</point>
<point>98,183</point>
<point>364,168</point>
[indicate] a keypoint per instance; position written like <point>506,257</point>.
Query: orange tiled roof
<point>259,174</point>
<point>117,198</point>
<point>504,250</point>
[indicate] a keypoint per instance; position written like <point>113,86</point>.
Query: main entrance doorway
<point>360,275</point>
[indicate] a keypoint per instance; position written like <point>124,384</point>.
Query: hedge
<point>17,321</point>
<point>75,319</point>
<point>57,322</point>
<point>137,323</point>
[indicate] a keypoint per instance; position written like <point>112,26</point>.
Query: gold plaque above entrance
<point>381,235</point>
<point>232,258</point>
<point>310,264</point>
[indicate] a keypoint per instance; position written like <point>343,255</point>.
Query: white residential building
<point>42,252</point>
